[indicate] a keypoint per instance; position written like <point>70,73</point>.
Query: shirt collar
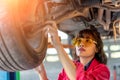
<point>87,65</point>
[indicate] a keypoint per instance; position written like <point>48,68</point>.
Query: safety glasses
<point>85,41</point>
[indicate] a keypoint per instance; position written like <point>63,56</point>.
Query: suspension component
<point>78,4</point>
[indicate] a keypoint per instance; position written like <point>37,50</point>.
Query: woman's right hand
<point>51,28</point>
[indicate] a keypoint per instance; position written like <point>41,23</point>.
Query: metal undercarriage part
<point>101,13</point>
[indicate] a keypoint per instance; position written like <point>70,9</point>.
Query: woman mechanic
<point>89,48</point>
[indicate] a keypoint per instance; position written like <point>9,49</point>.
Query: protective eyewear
<point>85,41</point>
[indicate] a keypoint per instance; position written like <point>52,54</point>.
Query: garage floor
<point>52,68</point>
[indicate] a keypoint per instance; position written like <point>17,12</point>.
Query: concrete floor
<point>52,69</point>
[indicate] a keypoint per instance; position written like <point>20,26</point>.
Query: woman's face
<point>86,47</point>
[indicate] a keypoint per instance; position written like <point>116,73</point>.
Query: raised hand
<point>51,28</point>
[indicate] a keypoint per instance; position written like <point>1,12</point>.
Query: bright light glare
<point>115,55</point>
<point>114,47</point>
<point>53,51</point>
<point>52,58</point>
<point>21,9</point>
<point>62,35</point>
<point>107,54</point>
<point>105,48</point>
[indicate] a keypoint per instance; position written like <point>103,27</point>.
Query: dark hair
<point>100,55</point>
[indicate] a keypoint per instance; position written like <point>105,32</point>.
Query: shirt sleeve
<point>62,76</point>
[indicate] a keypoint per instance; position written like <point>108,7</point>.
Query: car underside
<point>22,44</point>
<point>103,14</point>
